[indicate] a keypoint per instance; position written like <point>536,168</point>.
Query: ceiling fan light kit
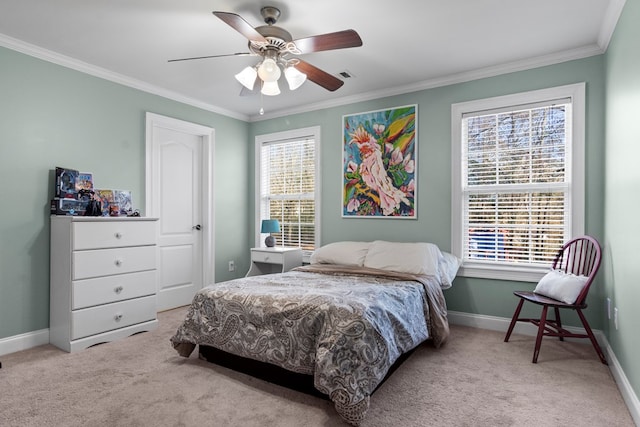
<point>269,72</point>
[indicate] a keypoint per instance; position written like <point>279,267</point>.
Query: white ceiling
<point>407,44</point>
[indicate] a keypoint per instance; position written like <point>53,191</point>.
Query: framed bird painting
<point>379,163</point>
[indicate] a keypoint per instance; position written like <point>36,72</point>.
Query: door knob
<point>196,227</point>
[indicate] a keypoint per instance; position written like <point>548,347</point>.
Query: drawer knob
<point>266,258</point>
<point>118,289</point>
<point>118,262</point>
<point>118,235</point>
<point>118,317</point>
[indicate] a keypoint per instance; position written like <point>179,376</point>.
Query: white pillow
<point>343,253</point>
<point>562,286</point>
<point>413,258</point>
<point>448,268</point>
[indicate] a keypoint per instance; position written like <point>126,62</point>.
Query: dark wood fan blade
<point>240,25</point>
<point>211,56</point>
<point>318,76</point>
<point>338,40</point>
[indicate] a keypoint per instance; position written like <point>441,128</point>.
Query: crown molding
<point>481,73</point>
<point>609,22</point>
<point>83,67</point>
<point>526,64</point>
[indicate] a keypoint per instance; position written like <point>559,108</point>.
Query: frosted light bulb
<point>269,70</point>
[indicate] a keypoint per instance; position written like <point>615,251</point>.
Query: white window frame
<point>575,161</point>
<point>309,132</point>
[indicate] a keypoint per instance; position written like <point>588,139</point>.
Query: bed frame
<point>275,374</point>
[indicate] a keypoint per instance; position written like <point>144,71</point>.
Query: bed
<point>343,320</point>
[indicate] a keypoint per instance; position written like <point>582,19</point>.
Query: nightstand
<point>274,260</point>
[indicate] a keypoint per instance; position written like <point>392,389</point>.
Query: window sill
<point>500,272</point>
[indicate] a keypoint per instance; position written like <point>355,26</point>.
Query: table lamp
<point>270,226</point>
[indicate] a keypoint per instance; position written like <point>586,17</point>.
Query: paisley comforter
<point>345,326</point>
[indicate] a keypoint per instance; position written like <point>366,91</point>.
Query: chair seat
<point>542,300</point>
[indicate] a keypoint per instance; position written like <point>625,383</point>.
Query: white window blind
<point>287,183</point>
<point>516,184</point>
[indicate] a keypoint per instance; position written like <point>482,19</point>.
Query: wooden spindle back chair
<point>581,257</point>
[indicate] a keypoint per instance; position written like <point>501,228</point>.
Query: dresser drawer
<point>112,234</point>
<point>94,320</point>
<point>104,290</point>
<point>268,257</point>
<point>104,262</point>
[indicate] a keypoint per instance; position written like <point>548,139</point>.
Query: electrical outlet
<point>232,266</point>
<point>615,317</point>
<point>609,308</point>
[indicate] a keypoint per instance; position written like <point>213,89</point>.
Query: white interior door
<point>179,162</point>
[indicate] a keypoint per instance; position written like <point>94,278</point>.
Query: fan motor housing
<point>277,38</point>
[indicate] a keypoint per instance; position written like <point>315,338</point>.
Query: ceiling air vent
<point>346,74</point>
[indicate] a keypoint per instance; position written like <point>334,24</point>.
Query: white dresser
<point>103,279</point>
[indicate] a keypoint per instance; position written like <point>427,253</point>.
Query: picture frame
<point>122,198</point>
<point>106,199</point>
<point>65,186</point>
<point>380,163</point>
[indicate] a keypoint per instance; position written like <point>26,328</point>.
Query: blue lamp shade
<point>270,226</point>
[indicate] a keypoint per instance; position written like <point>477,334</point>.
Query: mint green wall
<point>53,116</point>
<point>622,181</point>
<point>487,297</point>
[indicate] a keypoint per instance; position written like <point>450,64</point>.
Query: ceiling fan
<point>276,48</point>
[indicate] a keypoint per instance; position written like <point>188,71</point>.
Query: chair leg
<point>543,321</point>
<point>514,319</point>
<point>596,346</point>
<point>558,323</point>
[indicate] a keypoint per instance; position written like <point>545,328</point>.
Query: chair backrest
<point>580,256</point>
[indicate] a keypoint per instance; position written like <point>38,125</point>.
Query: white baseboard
<point>629,396</point>
<point>24,341</point>
<point>501,324</point>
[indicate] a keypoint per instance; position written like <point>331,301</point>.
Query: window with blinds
<point>288,175</point>
<point>516,183</point>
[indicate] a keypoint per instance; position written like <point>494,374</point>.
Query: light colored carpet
<point>474,380</point>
